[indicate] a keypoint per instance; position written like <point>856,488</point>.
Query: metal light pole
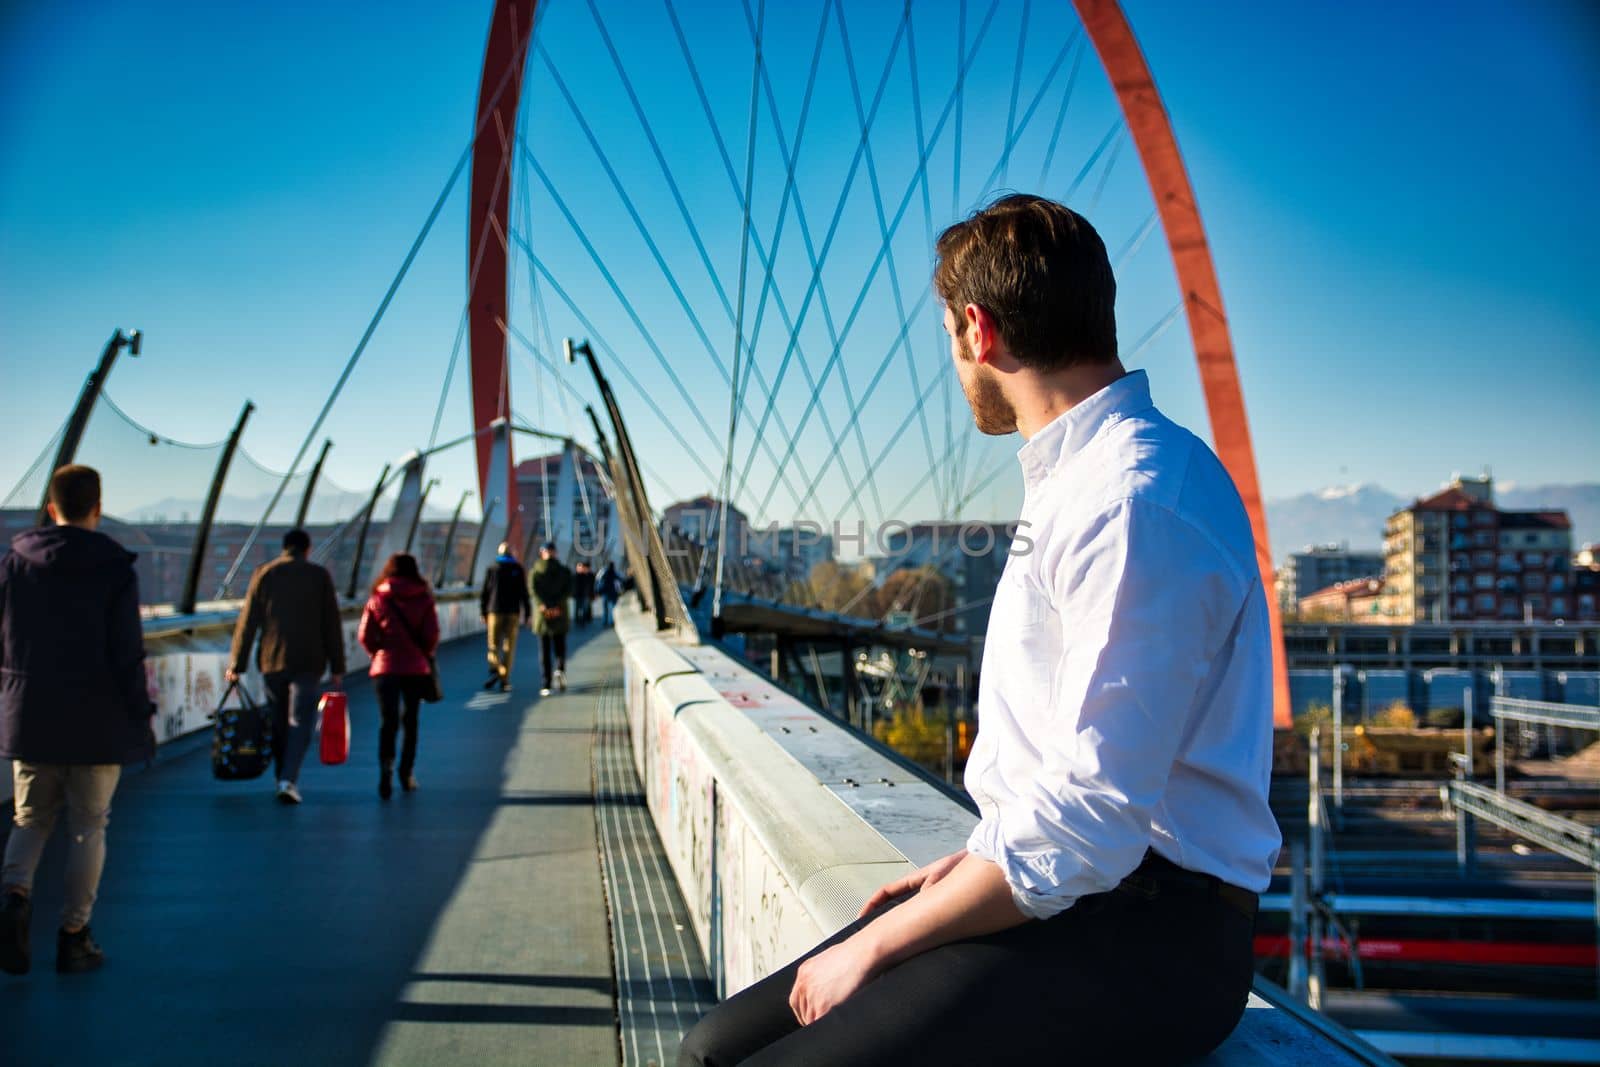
<point>311,485</point>
<point>1314,831</point>
<point>416,521</point>
<point>361,538</point>
<point>450,540</point>
<point>191,587</point>
<point>85,406</point>
<point>1338,745</point>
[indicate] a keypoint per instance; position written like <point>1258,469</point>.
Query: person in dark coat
<point>74,707</point>
<point>400,628</point>
<point>294,608</point>
<point>504,606</point>
<point>552,585</point>
<point>608,583</point>
<point>583,593</point>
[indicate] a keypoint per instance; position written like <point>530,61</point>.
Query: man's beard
<point>991,411</point>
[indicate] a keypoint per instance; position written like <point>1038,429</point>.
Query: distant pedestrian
<point>504,606</point>
<point>609,585</point>
<point>552,585</point>
<point>583,594</point>
<point>292,606</point>
<point>400,628</point>
<point>74,707</point>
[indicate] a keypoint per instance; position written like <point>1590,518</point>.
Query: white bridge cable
<point>481,244</point>
<point>738,329</point>
<point>595,335</point>
<point>688,217</point>
<point>1013,136</point>
<point>367,334</point>
<point>1061,113</point>
<point>1016,88</point>
<point>944,371</point>
<point>616,289</point>
<point>531,350</point>
<point>792,157</point>
<point>899,214</point>
<point>628,308</point>
<point>886,246</point>
<point>894,439</point>
<point>816,259</point>
<point>894,275</point>
<point>815,281</point>
<point>605,272</point>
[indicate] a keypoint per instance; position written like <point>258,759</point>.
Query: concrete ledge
<point>778,823</point>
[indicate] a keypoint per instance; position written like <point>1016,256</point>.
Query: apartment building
<point>1455,557</point>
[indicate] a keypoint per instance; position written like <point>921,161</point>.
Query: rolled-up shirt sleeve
<point>1144,600</point>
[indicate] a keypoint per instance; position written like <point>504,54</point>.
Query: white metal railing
<point>1546,712</point>
<point>1563,836</point>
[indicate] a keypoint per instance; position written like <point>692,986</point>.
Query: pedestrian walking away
<point>74,707</point>
<point>608,583</point>
<point>293,608</point>
<point>1103,908</point>
<point>583,593</point>
<point>504,606</point>
<point>551,583</point>
<point>400,629</point>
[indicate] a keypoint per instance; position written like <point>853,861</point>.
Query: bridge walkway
<point>467,922</point>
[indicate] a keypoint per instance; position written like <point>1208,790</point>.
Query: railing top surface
<point>222,614</point>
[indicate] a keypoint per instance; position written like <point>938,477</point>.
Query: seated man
<point>1102,910</point>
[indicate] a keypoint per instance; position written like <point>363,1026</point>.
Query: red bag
<point>335,712</point>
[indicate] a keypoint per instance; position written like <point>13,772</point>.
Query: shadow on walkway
<point>240,931</point>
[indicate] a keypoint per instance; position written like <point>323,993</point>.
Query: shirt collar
<point>1070,431</point>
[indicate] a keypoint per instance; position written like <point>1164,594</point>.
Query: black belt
<point>1156,872</point>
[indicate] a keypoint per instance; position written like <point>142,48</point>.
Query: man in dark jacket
<point>552,585</point>
<point>504,606</point>
<point>583,593</point>
<point>609,585</point>
<point>293,606</point>
<point>74,706</point>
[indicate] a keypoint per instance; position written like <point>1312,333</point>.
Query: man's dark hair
<point>1040,270</point>
<point>75,492</point>
<point>297,541</point>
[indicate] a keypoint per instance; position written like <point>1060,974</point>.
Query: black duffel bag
<point>241,741</point>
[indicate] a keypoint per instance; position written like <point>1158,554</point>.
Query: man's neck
<point>1046,397</point>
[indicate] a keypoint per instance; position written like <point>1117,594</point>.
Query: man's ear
<point>982,333</point>
<point>50,510</point>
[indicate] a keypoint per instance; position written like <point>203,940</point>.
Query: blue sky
<point>1399,205</point>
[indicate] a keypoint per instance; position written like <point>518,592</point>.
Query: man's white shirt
<point>1125,701</point>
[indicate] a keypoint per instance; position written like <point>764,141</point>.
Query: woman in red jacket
<point>400,628</point>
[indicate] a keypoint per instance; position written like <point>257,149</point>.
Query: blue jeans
<point>294,719</point>
<point>610,603</point>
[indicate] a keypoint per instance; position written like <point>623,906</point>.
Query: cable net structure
<point>736,204</point>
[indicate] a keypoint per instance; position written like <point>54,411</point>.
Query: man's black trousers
<point>1156,971</point>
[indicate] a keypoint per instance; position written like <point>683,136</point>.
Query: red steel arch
<point>1147,120</point>
<point>510,31</point>
<point>488,227</point>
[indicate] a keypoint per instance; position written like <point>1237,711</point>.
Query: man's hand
<point>918,879</point>
<point>830,977</point>
<point>336,681</point>
<point>231,675</point>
